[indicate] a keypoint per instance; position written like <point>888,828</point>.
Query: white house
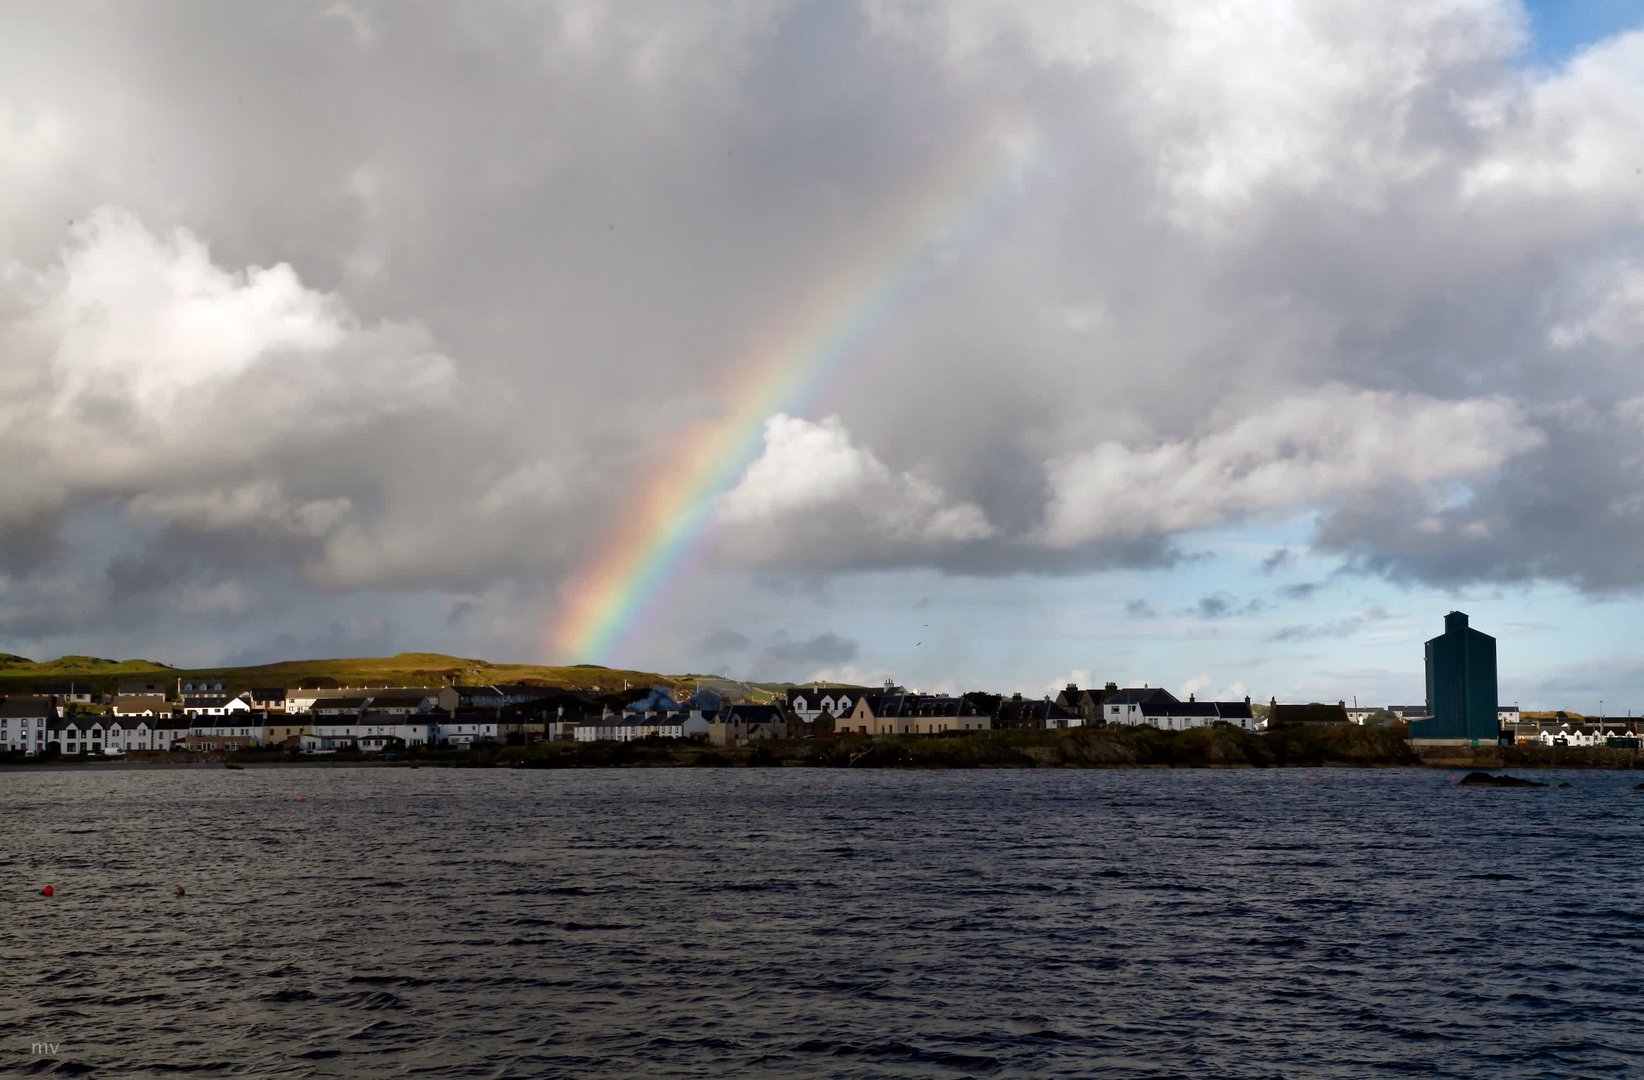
<point>620,727</point>
<point>368,731</point>
<point>1507,714</point>
<point>128,733</point>
<point>466,729</point>
<point>324,741</point>
<point>1586,733</point>
<point>1125,706</point>
<point>1565,735</point>
<point>238,726</point>
<point>1182,715</point>
<point>78,734</point>
<point>610,726</point>
<point>216,705</point>
<point>663,724</point>
<point>25,724</point>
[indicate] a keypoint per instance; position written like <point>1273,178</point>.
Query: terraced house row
<point>142,718</point>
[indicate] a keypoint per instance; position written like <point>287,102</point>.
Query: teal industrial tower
<point>1461,686</point>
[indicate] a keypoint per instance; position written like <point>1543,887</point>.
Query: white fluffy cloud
<point>138,367</point>
<point>1331,444</point>
<point>815,495</point>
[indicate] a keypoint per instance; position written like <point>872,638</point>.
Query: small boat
<point>231,765</point>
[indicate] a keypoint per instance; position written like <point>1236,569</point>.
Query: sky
<point>1223,347</point>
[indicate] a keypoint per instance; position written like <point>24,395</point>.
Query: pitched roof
<point>1137,695</point>
<point>1313,712</point>
<point>750,714</point>
<point>353,702</point>
<point>140,702</point>
<point>1031,709</point>
<point>206,701</point>
<point>27,707</point>
<point>388,699</point>
<point>893,705</point>
<point>1177,708</point>
<point>819,692</point>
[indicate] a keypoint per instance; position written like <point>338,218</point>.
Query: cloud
<point>1580,686</point>
<point>784,654</point>
<point>1616,315</point>
<point>1223,605</point>
<point>292,311</point>
<point>724,640</point>
<point>1345,627</point>
<point>1141,609</point>
<point>139,369</point>
<point>1330,444</point>
<point>815,496</point>
<point>254,505</point>
<point>1278,560</point>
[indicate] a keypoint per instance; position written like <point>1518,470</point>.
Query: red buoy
<point>180,891</point>
<point>48,891</point>
<point>301,798</point>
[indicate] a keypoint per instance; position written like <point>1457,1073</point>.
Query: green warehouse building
<point>1461,686</point>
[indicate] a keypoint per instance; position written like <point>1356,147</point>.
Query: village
<point>149,719</point>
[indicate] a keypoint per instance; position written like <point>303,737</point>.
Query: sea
<point>399,922</point>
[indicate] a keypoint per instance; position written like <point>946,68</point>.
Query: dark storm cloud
<point>796,658</point>
<point>366,636</point>
<point>722,640</point>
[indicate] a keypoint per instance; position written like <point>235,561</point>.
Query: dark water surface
<point>445,923</point>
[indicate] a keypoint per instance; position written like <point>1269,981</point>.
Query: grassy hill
<point>18,673</point>
<point>76,667</point>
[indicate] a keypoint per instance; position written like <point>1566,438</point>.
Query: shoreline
<point>1107,747</point>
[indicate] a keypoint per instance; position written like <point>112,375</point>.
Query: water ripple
<point>456,923</point>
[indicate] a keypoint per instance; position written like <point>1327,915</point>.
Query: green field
<point>18,674</point>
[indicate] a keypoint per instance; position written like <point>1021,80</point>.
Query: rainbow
<point>658,532</point>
